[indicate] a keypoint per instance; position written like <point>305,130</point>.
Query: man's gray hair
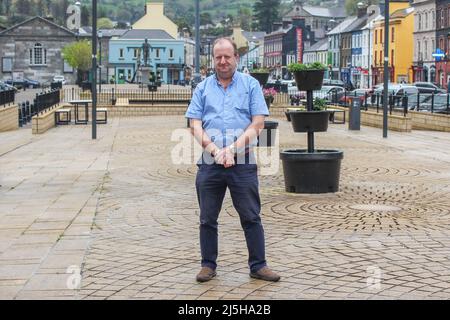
<point>225,39</point>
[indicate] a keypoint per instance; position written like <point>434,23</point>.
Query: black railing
<point>134,96</point>
<point>26,112</point>
<point>7,96</point>
<point>45,100</point>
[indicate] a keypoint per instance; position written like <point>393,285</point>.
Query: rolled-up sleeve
<point>195,109</point>
<point>258,105</point>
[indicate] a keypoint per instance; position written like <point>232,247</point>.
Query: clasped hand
<point>225,157</point>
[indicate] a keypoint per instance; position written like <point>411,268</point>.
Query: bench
<point>104,111</point>
<point>332,115</point>
<point>66,112</point>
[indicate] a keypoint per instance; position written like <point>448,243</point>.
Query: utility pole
<point>386,68</point>
<point>94,69</point>
<point>197,42</point>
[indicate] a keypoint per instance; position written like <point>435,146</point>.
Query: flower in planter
<point>269,94</point>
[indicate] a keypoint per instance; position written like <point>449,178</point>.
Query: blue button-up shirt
<point>225,114</point>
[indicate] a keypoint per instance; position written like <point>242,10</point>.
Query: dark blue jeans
<point>242,180</point>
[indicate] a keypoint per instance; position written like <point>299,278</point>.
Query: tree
<point>85,16</point>
<point>24,7</point>
<point>121,25</point>
<point>104,23</point>
<point>266,12</point>
<point>58,10</point>
<point>205,18</point>
<point>79,56</point>
<point>123,15</point>
<point>245,18</point>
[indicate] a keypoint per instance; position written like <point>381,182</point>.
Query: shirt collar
<point>233,79</point>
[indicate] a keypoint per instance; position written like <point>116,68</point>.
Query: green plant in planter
<point>308,76</point>
<point>260,70</point>
<point>297,67</point>
<point>319,104</point>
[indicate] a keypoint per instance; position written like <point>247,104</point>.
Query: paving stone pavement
<point>116,219</point>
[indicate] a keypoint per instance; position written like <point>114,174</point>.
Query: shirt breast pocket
<point>241,103</point>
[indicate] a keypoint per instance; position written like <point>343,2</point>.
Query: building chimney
<point>361,9</point>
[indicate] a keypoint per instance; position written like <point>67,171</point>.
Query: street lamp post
<point>197,42</point>
<point>386,69</point>
<point>94,69</point>
<point>209,56</point>
<point>100,35</point>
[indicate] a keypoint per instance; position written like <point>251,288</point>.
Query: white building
<point>318,52</point>
<point>424,68</point>
<point>367,46</point>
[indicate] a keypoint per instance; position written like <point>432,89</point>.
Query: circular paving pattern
<point>387,223</point>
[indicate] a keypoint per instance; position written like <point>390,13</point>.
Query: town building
<point>166,56</point>
<point>401,27</point>
<point>424,67</point>
<point>320,19</point>
<point>154,18</point>
<point>373,12</point>
<point>286,45</point>
<point>32,49</point>
<point>318,52</point>
<point>334,47</point>
<point>443,42</point>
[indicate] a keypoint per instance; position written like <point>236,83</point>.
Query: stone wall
<point>17,42</point>
<point>43,122</point>
<point>368,118</point>
<point>430,121</point>
<point>9,118</point>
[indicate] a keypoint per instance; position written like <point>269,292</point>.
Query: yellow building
<point>401,27</point>
<point>238,37</point>
<point>154,18</point>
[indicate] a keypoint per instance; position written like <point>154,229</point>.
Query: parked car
<point>428,87</point>
<point>361,94</point>
<point>25,82</point>
<point>412,100</point>
<point>338,83</point>
<point>330,93</point>
<point>59,79</point>
<point>438,102</point>
<point>397,89</point>
<point>5,86</point>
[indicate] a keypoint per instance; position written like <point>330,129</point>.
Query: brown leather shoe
<point>205,274</point>
<point>265,274</point>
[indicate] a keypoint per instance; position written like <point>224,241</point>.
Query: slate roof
<point>321,45</point>
<point>257,34</point>
<point>146,34</point>
<point>343,25</point>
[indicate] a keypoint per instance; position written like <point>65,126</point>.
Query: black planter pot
<point>262,77</point>
<point>309,79</point>
<point>309,121</point>
<point>267,136</point>
<point>316,172</point>
<point>288,115</point>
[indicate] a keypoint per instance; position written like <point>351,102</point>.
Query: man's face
<point>225,62</point>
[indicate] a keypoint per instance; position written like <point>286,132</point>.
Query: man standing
<point>226,115</point>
